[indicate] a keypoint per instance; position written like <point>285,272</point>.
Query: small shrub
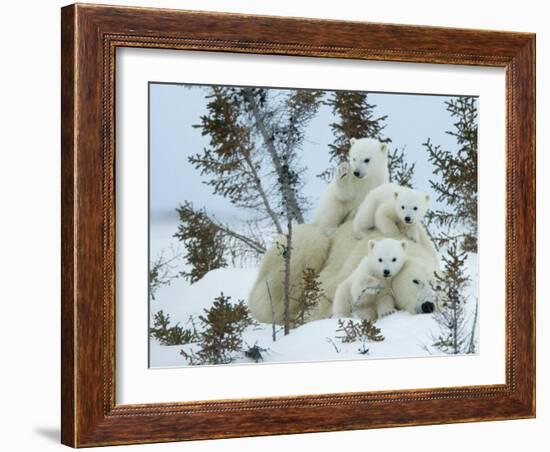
<point>456,329</point>
<point>255,353</point>
<point>220,333</point>
<point>311,294</point>
<point>170,335</point>
<point>363,331</point>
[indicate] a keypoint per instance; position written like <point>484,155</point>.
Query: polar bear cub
<point>393,210</point>
<point>370,280</point>
<point>366,168</point>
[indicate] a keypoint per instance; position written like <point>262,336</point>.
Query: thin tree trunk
<point>288,253</point>
<point>455,327</point>
<point>273,325</point>
<point>262,193</point>
<point>290,195</point>
<point>471,346</point>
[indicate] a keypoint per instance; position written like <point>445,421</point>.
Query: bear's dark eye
<point>416,281</point>
<point>415,208</point>
<point>367,160</point>
<point>438,287</point>
<point>403,207</point>
<point>379,259</point>
<point>394,259</point>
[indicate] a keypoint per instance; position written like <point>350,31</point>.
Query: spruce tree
<point>252,160</point>
<point>310,295</point>
<point>220,334</point>
<point>356,119</point>
<point>401,172</point>
<point>168,334</point>
<point>203,242</point>
<point>456,181</point>
<point>456,329</point>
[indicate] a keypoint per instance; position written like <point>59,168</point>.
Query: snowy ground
<point>405,335</point>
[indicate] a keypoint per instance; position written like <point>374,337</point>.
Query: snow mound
<point>405,335</point>
<point>181,299</point>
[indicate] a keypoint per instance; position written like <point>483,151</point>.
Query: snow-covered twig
<point>330,341</point>
<point>472,345</point>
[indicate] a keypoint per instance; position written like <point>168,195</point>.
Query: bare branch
<point>258,247</point>
<point>273,325</point>
<point>268,141</point>
<point>263,195</point>
<point>472,346</point>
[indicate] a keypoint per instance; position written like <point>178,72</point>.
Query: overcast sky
<point>175,108</point>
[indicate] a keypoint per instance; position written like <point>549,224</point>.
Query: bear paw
<point>385,313</point>
<point>342,171</point>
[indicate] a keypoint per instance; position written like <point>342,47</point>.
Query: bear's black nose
<point>427,307</point>
<point>356,173</point>
<point>407,219</point>
<point>386,272</point>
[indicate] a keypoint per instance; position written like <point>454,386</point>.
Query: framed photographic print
<point>280,225</point>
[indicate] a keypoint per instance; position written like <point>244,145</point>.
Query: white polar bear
<point>335,259</point>
<point>310,249</point>
<point>394,210</point>
<point>366,168</point>
<point>414,288</point>
<point>359,292</point>
<point>346,253</point>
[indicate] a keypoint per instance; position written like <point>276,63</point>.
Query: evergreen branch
<point>457,175</point>
<point>221,334</point>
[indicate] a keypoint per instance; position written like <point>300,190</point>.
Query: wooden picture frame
<point>90,35</point>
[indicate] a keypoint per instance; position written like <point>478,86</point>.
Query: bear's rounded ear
<point>396,194</point>
<point>352,141</point>
<point>371,244</point>
<point>383,147</point>
<point>404,244</point>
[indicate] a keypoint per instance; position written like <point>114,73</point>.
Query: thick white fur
<point>336,258</point>
<point>345,255</point>
<point>310,249</point>
<point>366,168</point>
<point>414,285</point>
<point>360,291</point>
<point>394,211</point>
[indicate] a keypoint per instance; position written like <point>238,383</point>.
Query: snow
<point>406,335</point>
<point>181,299</point>
<point>174,140</point>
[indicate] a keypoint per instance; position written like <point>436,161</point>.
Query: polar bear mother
<point>366,168</point>
<point>335,259</point>
<point>334,256</point>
